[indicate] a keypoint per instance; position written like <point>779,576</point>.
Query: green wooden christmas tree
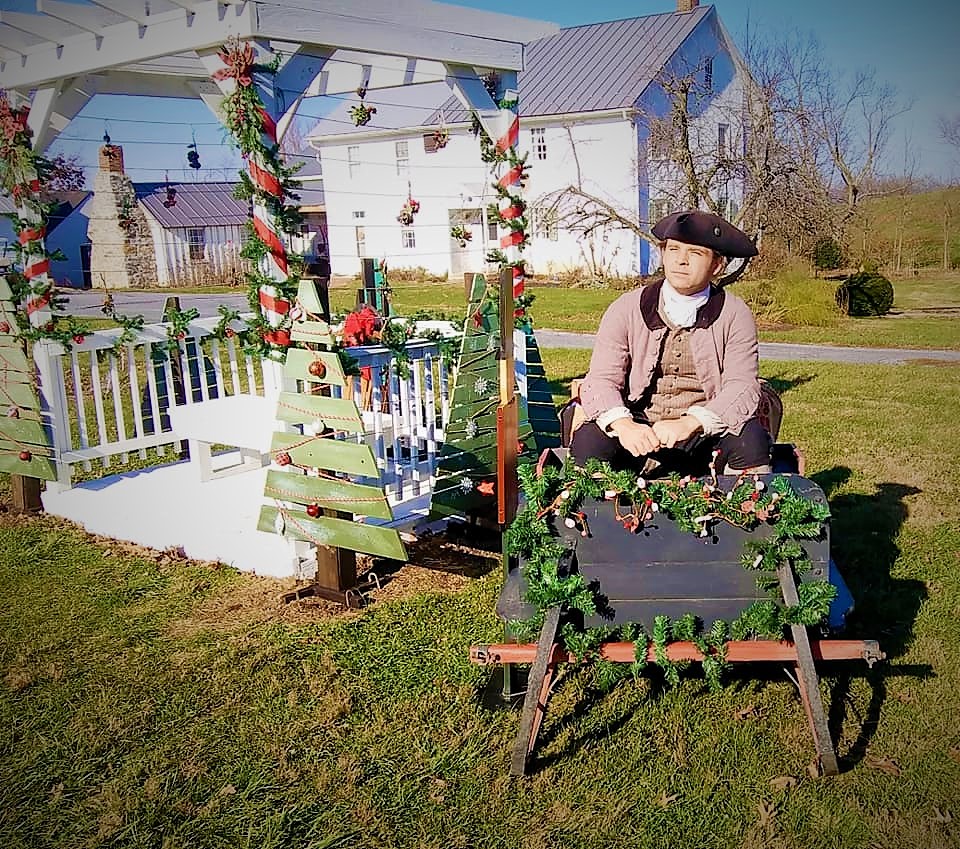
<point>540,409</point>
<point>24,446</point>
<point>466,471</point>
<point>313,498</point>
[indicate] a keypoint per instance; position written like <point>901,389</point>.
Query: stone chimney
<point>121,253</point>
<point>687,5</point>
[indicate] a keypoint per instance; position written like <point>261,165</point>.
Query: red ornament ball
<point>78,338</point>
<point>230,333</point>
<point>317,368</point>
<point>283,459</point>
<point>313,511</point>
<point>4,326</point>
<point>181,335</point>
<point>26,456</point>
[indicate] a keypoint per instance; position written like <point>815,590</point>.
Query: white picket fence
<point>103,410</point>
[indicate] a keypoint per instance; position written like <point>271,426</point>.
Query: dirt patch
<point>436,565</point>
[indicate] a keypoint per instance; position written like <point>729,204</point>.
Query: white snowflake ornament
<point>481,386</point>
<point>472,429</point>
<point>466,484</point>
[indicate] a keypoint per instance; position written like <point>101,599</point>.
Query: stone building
<point>122,254</point>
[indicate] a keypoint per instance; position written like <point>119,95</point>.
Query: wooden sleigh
<point>665,571</point>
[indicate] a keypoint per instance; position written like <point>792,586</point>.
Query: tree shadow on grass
<point>782,385</point>
<point>864,529</point>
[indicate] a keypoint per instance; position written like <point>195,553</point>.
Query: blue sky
<point>912,45</point>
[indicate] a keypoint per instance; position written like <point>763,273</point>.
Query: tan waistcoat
<point>675,386</point>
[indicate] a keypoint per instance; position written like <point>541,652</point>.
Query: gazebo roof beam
<point>42,26</point>
<point>14,42</point>
<point>131,42</point>
<point>147,85</point>
<point>401,37</point>
<point>141,11</point>
<point>440,18</point>
<point>347,70</point>
<point>87,18</point>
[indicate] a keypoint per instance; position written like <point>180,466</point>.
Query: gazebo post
<point>273,305</point>
<point>37,304</point>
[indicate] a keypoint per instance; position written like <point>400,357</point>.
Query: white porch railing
<point>104,411</point>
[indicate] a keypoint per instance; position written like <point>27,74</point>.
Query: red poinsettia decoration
<point>238,58</point>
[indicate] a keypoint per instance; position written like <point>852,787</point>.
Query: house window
<point>407,238</point>
<point>353,160</point>
<point>723,139</point>
<point>658,208</point>
<point>538,141</point>
<point>361,238</point>
<point>196,241</point>
<point>708,75</point>
<point>359,215</point>
<point>545,224</point>
<point>402,150</point>
<point>492,234</point>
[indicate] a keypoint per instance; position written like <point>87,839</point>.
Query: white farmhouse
<point>589,98</point>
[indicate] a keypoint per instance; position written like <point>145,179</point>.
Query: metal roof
<point>195,204</point>
<point>589,68</point>
<point>601,66</point>
<point>207,204</point>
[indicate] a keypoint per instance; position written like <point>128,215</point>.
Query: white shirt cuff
<point>604,420</point>
<point>711,423</point>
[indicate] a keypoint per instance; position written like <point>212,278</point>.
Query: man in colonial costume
<point>674,371</point>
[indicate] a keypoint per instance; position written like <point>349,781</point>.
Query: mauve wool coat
<point>723,342</point>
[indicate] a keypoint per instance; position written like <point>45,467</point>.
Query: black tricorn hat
<point>707,230</point>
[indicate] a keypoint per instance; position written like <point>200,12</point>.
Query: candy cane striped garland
<point>274,265</point>
<point>510,240</point>
<point>36,263</point>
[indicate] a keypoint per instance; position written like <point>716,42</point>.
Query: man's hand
<point>638,439</point>
<point>670,432</point>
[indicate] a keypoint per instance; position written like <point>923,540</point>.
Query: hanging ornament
<point>193,156</point>
<point>472,429</point>
<point>466,484</point>
<point>461,234</point>
<point>26,456</point>
<point>360,113</point>
<point>13,412</point>
<point>283,459</point>
<point>441,135</point>
<point>313,510</point>
<point>481,386</point>
<point>485,487</point>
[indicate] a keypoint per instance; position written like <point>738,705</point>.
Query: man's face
<point>689,268</point>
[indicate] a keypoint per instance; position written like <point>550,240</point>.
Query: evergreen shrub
<point>865,293</point>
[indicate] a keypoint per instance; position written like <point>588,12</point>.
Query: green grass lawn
<point>145,703</point>
<point>802,315</point>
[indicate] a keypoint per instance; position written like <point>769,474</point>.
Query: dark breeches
<point>751,448</point>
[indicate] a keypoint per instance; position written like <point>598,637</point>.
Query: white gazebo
<point>59,57</point>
